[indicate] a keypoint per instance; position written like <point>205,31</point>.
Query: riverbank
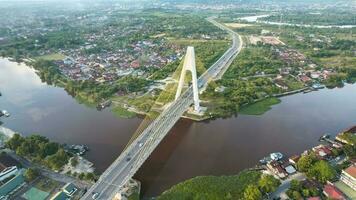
<point>213,187</point>
<point>333,155</point>
<point>40,108</point>
<point>259,107</point>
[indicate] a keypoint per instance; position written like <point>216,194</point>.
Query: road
<point>49,173</point>
<point>282,189</point>
<point>127,164</point>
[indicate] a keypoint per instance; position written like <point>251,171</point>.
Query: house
<point>294,159</point>
<point>347,135</point>
<point>285,70</point>
<point>310,183</point>
<point>315,75</point>
<point>61,195</point>
<point>70,189</point>
<point>135,64</point>
<point>290,169</point>
<point>326,74</point>
<point>7,161</point>
<point>304,78</point>
<point>330,191</point>
<point>7,172</point>
<point>68,61</point>
<point>323,152</point>
<point>277,169</point>
<point>348,176</point>
<point>14,183</point>
<point>220,89</point>
<point>281,84</point>
<point>351,130</point>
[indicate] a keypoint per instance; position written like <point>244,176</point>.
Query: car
<point>95,195</point>
<point>140,144</point>
<point>128,159</point>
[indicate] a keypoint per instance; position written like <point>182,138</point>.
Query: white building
<point>348,176</point>
<point>7,172</point>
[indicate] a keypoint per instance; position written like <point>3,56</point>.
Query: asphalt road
<point>282,189</point>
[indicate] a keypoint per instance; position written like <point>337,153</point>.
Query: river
<point>219,147</point>
<point>259,19</point>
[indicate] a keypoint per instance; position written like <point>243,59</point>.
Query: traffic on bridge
<point>112,181</point>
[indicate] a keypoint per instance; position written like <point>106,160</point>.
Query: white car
<point>95,195</point>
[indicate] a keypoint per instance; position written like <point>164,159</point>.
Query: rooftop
<point>349,192</point>
<point>69,188</point>
<point>351,171</point>
<point>333,193</point>
<point>60,196</point>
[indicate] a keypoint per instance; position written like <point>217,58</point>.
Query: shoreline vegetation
<point>259,107</point>
<point>250,86</point>
<point>249,184</point>
<point>258,182</point>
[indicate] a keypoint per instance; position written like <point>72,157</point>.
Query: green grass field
<point>54,56</point>
<point>260,107</point>
<point>122,112</point>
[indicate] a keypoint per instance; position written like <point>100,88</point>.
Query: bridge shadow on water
<point>152,184</point>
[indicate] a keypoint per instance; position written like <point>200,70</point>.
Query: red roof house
<point>332,192</point>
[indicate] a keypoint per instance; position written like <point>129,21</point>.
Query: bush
<point>31,174</point>
<point>74,161</point>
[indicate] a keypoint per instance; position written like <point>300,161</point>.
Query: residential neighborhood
<point>341,186</point>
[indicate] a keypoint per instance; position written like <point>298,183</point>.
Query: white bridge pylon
<point>189,65</point>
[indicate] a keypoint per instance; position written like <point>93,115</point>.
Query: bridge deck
<point>128,163</point>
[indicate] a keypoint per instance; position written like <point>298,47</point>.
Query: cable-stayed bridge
<point>140,148</point>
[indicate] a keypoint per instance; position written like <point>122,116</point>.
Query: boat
<point>5,113</point>
<point>265,160</point>
<point>317,86</point>
<point>276,156</point>
<point>324,137</point>
<point>307,91</point>
<point>103,105</point>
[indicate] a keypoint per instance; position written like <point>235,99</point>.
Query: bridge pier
<point>189,65</point>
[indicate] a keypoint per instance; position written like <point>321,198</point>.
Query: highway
<point>128,163</point>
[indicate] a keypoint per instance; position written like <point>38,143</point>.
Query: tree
<point>295,185</point>
<point>305,162</point>
<point>57,160</point>
<point>90,176</point>
<point>306,193</point>
<point>268,183</point>
<point>15,141</point>
<point>24,149</point>
<point>74,161</point>
<point>50,148</point>
<point>322,171</point>
<point>252,193</point>
<point>296,195</point>
<point>350,150</point>
<point>81,176</point>
<point>31,174</point>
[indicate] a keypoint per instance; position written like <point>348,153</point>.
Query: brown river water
<point>219,147</point>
